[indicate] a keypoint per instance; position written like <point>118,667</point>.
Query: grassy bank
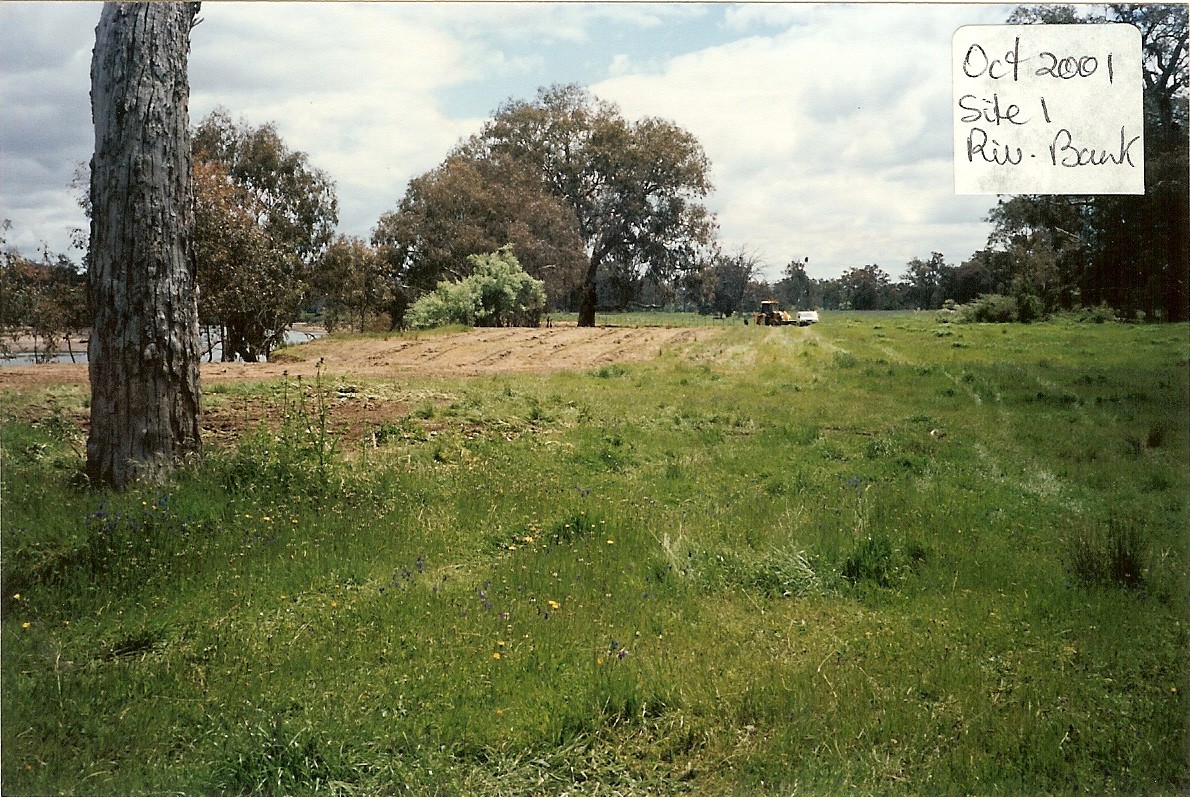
<point>878,554</point>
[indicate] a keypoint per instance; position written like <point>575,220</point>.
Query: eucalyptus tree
<point>470,206</point>
<point>796,287</point>
<point>267,216</point>
<point>143,350</point>
<point>352,278</point>
<point>728,277</point>
<point>869,288</point>
<point>925,282</point>
<point>635,188</point>
<point>46,300</point>
<point>252,289</point>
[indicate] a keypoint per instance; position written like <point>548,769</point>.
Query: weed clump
<point>845,359</point>
<point>613,371</point>
<point>299,458</point>
<point>575,527</point>
<point>872,560</point>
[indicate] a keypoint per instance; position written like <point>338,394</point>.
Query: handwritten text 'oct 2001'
<point>1048,109</point>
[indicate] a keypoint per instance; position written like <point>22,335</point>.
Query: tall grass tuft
<point>1113,556</point>
<point>874,560</point>
<point>275,759</point>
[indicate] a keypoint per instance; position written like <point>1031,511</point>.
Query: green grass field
<point>880,555</point>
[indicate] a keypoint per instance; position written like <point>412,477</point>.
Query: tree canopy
<point>294,202</point>
<point>926,281</point>
<point>353,279</point>
<point>721,286</point>
<point>46,300</point>
<point>635,189</point>
<point>265,216</point>
<point>468,206</point>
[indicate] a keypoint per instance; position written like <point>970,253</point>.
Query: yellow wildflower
<point>496,655</point>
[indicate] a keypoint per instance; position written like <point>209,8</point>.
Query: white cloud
<point>542,23</point>
<point>355,86</point>
<point>829,137</point>
<point>45,130</point>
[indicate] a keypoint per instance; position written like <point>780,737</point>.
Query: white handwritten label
<point>1048,109</point>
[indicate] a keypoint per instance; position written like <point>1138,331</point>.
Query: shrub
<point>1029,308</point>
<point>498,293</point>
<point>997,308</point>
<point>1101,314</point>
<point>989,308</point>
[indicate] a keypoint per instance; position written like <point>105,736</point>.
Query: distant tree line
<point>733,284</point>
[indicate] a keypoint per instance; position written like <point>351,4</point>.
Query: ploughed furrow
<point>471,353</point>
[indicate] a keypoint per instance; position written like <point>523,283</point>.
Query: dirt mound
<point>472,353</point>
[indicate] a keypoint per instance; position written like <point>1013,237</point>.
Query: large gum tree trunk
<point>587,302</point>
<point>589,297</point>
<point>144,352</point>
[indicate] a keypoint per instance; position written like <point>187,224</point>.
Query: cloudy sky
<point>828,126</point>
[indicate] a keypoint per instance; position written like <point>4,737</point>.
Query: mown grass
<point>877,555</point>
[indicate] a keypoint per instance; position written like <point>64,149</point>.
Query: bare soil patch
<point>475,352</point>
<point>472,353</point>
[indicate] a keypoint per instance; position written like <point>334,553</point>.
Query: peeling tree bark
<point>144,352</point>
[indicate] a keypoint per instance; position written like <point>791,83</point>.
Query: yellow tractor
<point>771,315</point>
